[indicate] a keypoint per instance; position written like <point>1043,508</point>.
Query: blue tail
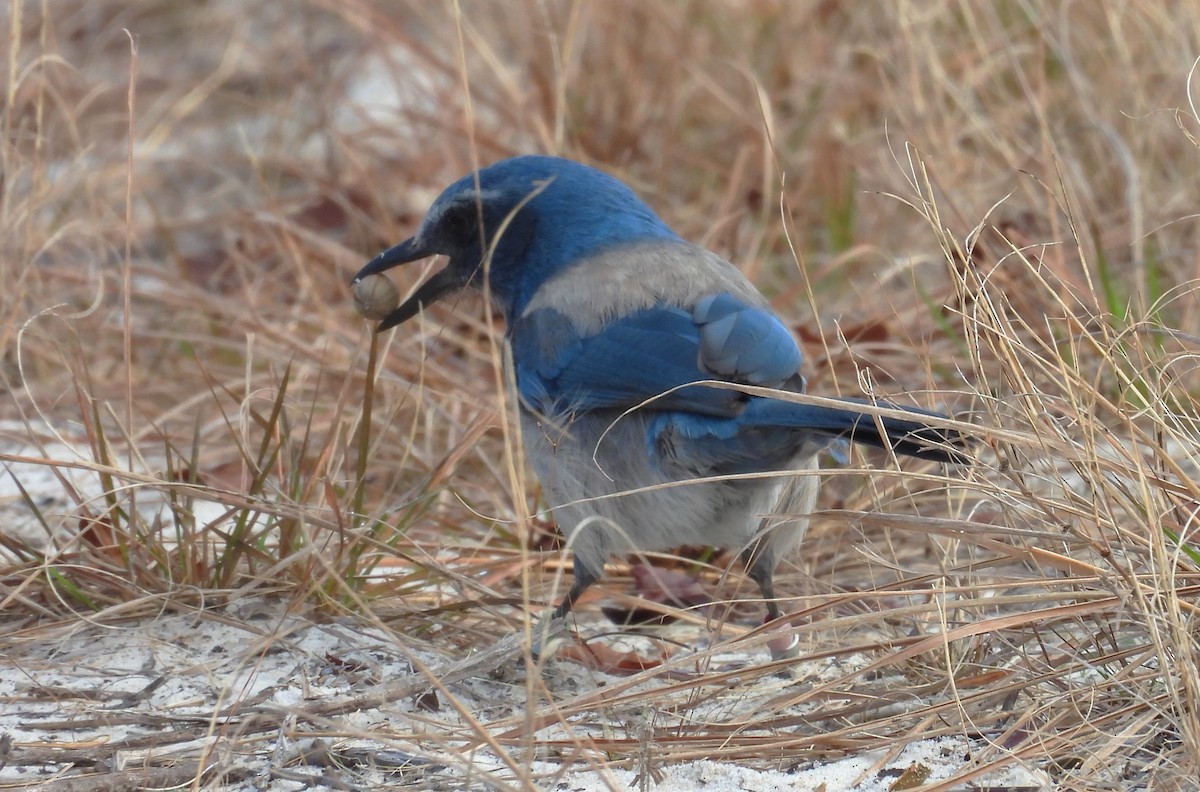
<point>912,437</point>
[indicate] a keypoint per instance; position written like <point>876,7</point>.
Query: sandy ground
<point>268,700</point>
<point>255,696</point>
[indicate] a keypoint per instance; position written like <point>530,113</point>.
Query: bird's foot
<point>784,645</point>
<point>546,635</point>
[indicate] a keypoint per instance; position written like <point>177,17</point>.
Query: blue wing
<point>650,352</point>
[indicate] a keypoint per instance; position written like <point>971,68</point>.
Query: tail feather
<point>911,437</point>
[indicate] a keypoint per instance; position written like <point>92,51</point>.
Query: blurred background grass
<point>989,206</point>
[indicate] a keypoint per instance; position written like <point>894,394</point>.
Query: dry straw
<point>988,206</point>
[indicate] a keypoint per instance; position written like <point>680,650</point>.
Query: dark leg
<point>546,629</point>
<point>584,578</point>
<point>760,566</point>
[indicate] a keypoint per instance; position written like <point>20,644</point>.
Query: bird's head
<point>522,221</point>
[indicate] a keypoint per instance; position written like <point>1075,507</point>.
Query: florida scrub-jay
<point>612,318</point>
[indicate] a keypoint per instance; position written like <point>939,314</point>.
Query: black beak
<point>427,294</point>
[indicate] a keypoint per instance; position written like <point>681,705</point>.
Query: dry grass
<point>990,206</point>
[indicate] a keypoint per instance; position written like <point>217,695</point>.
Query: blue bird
<point>613,319</point>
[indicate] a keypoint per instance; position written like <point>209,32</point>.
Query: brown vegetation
<point>990,206</point>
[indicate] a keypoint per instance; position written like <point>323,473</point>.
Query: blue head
<point>537,216</point>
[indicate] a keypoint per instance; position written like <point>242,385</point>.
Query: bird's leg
<point>546,629</point>
<point>584,578</point>
<point>760,566</point>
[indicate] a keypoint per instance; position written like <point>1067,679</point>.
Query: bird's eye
<point>460,221</point>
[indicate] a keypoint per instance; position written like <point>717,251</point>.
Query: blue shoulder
<point>649,353</point>
<point>744,343</point>
<point>652,352</point>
